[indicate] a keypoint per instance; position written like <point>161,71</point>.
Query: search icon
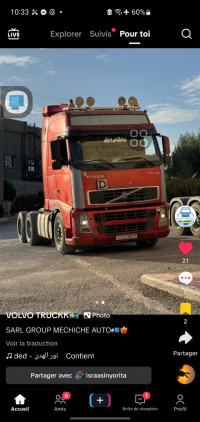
<point>186,33</point>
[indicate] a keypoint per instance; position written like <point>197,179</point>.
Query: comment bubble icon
<point>139,399</point>
<point>185,277</point>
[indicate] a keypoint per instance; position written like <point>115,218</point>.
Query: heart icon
<point>79,372</point>
<point>185,247</point>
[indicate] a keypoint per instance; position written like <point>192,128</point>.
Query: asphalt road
<point>39,279</point>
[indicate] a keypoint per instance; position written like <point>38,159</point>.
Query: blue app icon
<point>16,101</point>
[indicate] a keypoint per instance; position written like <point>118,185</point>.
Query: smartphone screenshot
<point>99,212</point>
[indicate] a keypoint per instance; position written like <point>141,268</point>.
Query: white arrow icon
<point>185,337</point>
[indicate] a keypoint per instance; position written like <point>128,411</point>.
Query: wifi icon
<point>118,11</point>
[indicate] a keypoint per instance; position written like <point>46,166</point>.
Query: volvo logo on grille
<point>124,195</point>
<point>102,184</point>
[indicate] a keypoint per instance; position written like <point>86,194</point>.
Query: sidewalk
<point>171,284</point>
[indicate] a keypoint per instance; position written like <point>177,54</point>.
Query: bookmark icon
<point>185,309</point>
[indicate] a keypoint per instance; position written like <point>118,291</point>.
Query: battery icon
<point>148,12</point>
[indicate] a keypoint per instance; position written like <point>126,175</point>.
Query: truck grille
<point>120,215</point>
<point>122,228</point>
<point>123,195</point>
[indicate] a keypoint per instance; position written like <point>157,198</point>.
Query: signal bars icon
<point>118,11</point>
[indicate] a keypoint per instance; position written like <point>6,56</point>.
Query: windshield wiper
<point>97,160</point>
<point>136,158</point>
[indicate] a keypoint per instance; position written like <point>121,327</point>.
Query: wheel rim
<point>59,235</point>
<point>198,220</point>
<point>196,225</point>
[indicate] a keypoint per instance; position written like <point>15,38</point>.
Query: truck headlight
<point>163,220</point>
<point>85,224</point>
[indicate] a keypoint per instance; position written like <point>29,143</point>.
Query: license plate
<point>126,236</point>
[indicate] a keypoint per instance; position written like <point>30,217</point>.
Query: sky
<point>166,82</point>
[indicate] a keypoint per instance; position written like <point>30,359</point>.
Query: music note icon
<point>9,356</point>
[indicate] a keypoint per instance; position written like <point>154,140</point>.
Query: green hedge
<point>27,203</point>
<point>182,187</point>
<point>9,191</point>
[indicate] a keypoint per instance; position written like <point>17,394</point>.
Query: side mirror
<point>56,165</point>
<point>166,150</point>
<point>166,145</point>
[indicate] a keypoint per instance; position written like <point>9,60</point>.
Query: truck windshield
<point>114,151</point>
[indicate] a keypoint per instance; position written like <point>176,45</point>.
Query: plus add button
<point>100,400</point>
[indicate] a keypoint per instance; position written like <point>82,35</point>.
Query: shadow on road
<point>166,250</point>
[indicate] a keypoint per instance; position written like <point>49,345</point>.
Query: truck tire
<point>195,228</point>
<point>59,237</point>
<point>146,243</point>
<point>178,229</point>
<point>32,236</point>
<point>21,232</point>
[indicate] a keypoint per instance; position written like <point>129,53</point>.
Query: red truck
<point>103,176</point>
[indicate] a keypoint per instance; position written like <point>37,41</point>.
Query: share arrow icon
<point>185,337</point>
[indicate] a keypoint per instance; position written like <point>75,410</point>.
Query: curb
<point>170,287</point>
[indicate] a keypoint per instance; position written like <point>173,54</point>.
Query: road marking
<point>129,292</point>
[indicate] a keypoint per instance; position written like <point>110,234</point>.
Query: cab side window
<point>59,151</point>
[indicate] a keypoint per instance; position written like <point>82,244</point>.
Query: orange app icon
<point>124,330</point>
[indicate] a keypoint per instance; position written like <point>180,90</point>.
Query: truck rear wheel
<point>149,243</point>
<point>59,237</point>
<point>178,229</point>
<point>195,228</point>
<point>32,236</point>
<point>21,232</point>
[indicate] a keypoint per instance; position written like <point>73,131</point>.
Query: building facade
<point>20,157</point>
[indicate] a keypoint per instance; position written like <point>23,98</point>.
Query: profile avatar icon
<point>185,374</point>
<point>79,375</point>
<point>185,216</point>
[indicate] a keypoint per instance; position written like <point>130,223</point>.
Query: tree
<point>9,191</point>
<point>186,155</point>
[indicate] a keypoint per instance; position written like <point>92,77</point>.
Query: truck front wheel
<point>195,228</point>
<point>178,229</point>
<point>59,237</point>
<point>146,243</point>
